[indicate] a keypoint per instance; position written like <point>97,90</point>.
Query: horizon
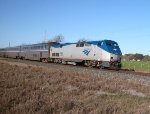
<point>30,21</point>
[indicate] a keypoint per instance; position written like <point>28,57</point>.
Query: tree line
<point>136,57</point>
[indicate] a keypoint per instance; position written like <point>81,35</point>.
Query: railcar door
<point>49,49</point>
<point>40,54</point>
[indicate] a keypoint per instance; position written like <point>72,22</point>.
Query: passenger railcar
<point>31,52</point>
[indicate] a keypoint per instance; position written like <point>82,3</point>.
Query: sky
<point>32,21</point>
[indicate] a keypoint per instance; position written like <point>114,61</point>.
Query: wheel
<point>44,60</point>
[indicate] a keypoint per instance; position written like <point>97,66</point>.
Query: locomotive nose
<point>115,57</point>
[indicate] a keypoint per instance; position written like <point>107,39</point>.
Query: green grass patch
<point>137,65</point>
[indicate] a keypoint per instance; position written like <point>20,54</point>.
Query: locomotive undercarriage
<point>90,63</point>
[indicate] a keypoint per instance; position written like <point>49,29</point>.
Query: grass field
<point>137,65</point>
<point>31,89</point>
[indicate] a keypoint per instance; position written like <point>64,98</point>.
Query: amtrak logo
<point>86,51</point>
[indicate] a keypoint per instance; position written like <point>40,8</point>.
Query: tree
<point>138,56</point>
<point>59,38</point>
<point>129,57</point>
<point>146,58</point>
<point>82,40</point>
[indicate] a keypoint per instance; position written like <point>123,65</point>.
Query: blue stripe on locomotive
<point>111,49</point>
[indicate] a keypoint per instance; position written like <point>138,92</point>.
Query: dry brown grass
<point>29,89</point>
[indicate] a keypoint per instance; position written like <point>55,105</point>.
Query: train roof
<point>84,42</point>
<point>34,44</point>
<point>89,42</point>
<point>25,45</point>
<point>60,44</point>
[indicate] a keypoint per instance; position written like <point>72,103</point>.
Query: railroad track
<point>126,71</point>
<point>38,63</point>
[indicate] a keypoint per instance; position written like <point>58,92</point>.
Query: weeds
<point>30,89</point>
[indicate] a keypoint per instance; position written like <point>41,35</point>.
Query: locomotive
<point>105,53</point>
<point>102,54</point>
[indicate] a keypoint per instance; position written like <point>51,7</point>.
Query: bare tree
<point>82,40</point>
<point>59,38</point>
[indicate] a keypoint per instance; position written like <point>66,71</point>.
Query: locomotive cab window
<point>80,45</point>
<point>108,43</point>
<point>100,44</point>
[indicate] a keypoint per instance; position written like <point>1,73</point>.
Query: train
<point>30,52</point>
<point>101,54</point>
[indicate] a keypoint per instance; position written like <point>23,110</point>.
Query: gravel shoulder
<point>143,78</point>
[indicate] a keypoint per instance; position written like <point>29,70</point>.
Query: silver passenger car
<point>32,52</point>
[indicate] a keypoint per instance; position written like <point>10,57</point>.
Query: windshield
<point>111,44</point>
